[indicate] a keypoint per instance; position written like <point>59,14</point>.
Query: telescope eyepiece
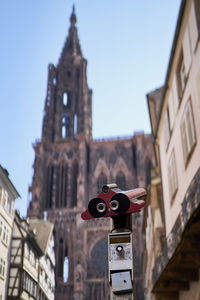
<point>114,204</point>
<point>101,207</point>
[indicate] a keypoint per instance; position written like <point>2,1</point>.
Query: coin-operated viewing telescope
<point>119,205</point>
<point>113,202</point>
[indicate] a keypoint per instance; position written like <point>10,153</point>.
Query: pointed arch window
<point>75,125</point>
<point>63,261</point>
<point>121,180</point>
<point>66,265</point>
<point>101,181</point>
<point>65,125</point>
<point>74,184</point>
<point>65,99</point>
<point>49,185</point>
<point>60,258</point>
<point>61,187</point>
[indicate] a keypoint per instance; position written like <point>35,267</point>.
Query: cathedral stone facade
<point>70,168</point>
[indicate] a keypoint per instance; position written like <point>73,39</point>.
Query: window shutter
<point>187,131</point>
<point>184,140</point>
<point>193,28</point>
<point>198,86</point>
<point>190,126</point>
<point>172,176</point>
<point>186,51</point>
<point>171,109</point>
<point>167,133</point>
<point>175,94</point>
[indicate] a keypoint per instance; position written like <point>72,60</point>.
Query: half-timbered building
<point>8,194</point>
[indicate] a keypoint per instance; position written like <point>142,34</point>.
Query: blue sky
<point>127,45</point>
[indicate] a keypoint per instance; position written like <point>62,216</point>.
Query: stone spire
<point>72,44</point>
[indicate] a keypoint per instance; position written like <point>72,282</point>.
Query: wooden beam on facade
<point>172,285</point>
<point>183,274</point>
<point>167,295</point>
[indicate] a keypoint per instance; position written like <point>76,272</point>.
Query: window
<point>1,228</point>
<point>29,285</point>
<point>2,267</point>
<point>66,269</point>
<point>167,128</point>
<point>49,186</point>
<point>147,171</point>
<point>172,177</point>
<point>198,86</point>
<point>7,202</point>
<point>27,251</point>
<point>5,234</point>
<point>65,99</point>
<point>65,125</point>
<point>74,180</point>
<point>121,180</point>
<point>181,76</point>
<point>192,26</point>
<point>173,102</point>
<point>197,10</point>
<point>75,125</point>
<point>101,181</point>
<point>60,258</point>
<point>187,53</point>
<point>188,47</point>
<point>187,132</point>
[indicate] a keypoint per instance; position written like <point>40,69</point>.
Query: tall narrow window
<point>193,27</point>
<point>75,125</point>
<point>148,171</point>
<point>172,176</point>
<point>121,180</point>
<point>60,259</point>
<point>167,128</point>
<point>181,76</point>
<point>74,184</point>
<point>65,99</point>
<point>63,179</point>
<point>65,185</point>
<point>66,266</point>
<point>101,181</point>
<point>188,131</point>
<point>65,125</point>
<point>49,185</point>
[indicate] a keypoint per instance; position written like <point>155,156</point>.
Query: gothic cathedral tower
<point>60,182</point>
<point>70,168</point>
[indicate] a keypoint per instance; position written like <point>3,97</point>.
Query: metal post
<point>119,205</point>
<point>120,256</point>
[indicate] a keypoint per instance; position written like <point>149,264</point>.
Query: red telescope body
<point>114,202</point>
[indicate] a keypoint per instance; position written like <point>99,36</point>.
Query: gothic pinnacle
<point>73,16</point>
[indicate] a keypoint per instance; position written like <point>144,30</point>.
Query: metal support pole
<point>120,255</point>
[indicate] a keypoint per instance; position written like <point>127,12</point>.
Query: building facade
<point>32,260</point>
<point>70,168</point>
<point>172,219</point>
<point>46,272</point>
<point>8,194</point>
<point>24,262</point>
